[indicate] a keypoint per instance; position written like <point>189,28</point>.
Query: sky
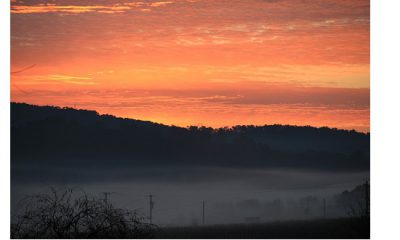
<point>197,62</point>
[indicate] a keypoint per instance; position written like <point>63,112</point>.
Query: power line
<point>19,71</point>
<point>24,69</point>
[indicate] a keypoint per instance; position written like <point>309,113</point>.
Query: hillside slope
<point>58,136</point>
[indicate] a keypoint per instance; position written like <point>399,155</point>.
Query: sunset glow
<point>197,62</point>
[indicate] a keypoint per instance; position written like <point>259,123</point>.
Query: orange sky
<point>197,62</point>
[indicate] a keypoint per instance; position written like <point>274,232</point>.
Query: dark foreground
<point>353,228</point>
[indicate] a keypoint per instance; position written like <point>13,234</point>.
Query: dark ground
<point>348,228</point>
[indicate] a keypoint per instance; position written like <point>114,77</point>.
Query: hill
<point>54,136</point>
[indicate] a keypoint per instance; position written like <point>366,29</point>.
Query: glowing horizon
<point>197,62</point>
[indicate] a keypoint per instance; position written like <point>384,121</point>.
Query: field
<point>353,228</point>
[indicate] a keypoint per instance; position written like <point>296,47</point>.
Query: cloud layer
<point>185,61</point>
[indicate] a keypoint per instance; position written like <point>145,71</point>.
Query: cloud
<point>229,61</point>
<point>218,107</point>
<point>76,80</point>
<point>59,7</point>
<point>66,77</point>
<point>67,9</point>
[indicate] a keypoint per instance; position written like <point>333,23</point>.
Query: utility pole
<point>324,208</point>
<point>106,194</point>
<point>203,219</point>
<point>307,210</point>
<point>151,205</point>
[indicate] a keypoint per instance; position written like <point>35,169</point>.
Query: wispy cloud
<point>92,6</point>
<point>76,80</point>
<point>244,58</point>
<point>46,8</point>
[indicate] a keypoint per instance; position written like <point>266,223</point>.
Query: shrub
<point>63,215</point>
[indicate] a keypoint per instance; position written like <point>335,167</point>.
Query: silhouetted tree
<point>60,214</point>
<point>356,201</point>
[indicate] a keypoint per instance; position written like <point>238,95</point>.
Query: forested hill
<point>53,135</point>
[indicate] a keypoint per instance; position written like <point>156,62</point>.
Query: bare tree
<point>63,215</point>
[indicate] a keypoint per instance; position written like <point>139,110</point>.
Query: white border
<point>385,119</point>
<point>5,117</point>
